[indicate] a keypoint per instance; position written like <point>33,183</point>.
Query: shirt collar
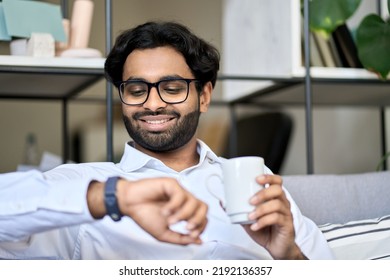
<point>133,159</point>
<point>205,153</point>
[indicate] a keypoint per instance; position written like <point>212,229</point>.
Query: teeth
<point>157,121</point>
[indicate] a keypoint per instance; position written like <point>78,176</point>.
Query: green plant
<point>384,158</point>
<point>372,35</point>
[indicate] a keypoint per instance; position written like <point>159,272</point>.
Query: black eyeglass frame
<point>155,85</point>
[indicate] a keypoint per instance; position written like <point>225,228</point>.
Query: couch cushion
<point>341,198</point>
<point>359,240</point>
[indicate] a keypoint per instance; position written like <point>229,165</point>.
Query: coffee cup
<point>239,183</point>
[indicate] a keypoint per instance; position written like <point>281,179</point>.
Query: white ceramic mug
<point>239,181</point>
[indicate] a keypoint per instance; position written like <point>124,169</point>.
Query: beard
<point>163,141</point>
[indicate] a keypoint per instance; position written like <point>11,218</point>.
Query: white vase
<point>80,24</point>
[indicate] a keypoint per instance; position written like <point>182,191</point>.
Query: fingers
<point>273,191</point>
<point>272,205</point>
<point>183,206</point>
<point>176,198</point>
<point>178,238</point>
<point>269,218</point>
<point>191,210</point>
<point>157,203</point>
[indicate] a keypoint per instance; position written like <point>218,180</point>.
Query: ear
<point>205,97</point>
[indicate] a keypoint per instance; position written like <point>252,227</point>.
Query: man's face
<point>156,125</point>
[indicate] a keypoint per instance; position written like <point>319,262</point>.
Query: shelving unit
<point>263,65</point>
<point>325,90</point>
<point>56,78</point>
<point>50,79</point>
<point>47,78</point>
<point>330,86</point>
<point>268,72</point>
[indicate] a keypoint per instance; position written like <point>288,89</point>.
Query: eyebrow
<point>167,77</point>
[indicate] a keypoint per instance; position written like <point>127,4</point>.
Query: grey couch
<point>353,211</point>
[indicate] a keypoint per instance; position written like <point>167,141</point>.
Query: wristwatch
<point>110,199</point>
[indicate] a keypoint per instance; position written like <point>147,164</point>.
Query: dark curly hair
<point>201,57</point>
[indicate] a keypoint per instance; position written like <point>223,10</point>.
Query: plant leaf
<point>373,44</point>
<point>327,15</point>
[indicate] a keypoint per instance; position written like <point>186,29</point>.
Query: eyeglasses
<point>171,91</point>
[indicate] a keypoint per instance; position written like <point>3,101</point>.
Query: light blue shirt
<point>45,216</point>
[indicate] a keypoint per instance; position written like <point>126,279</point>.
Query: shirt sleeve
<point>31,202</point>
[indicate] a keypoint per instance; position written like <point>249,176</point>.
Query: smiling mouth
<point>156,122</point>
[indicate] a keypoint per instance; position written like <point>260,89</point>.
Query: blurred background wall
<point>346,139</point>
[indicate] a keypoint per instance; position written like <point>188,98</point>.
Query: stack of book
<point>339,50</point>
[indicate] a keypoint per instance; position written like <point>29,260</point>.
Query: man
<point>165,76</point>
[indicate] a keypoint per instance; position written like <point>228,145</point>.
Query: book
<point>346,47</point>
<point>324,49</point>
<point>316,58</point>
<point>334,51</point>
<point>315,54</point>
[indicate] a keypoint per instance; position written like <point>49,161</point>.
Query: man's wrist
<point>95,199</point>
<point>297,254</point>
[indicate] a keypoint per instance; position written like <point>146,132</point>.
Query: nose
<point>154,101</point>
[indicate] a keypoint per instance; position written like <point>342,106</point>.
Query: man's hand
<point>274,228</point>
<point>155,204</point>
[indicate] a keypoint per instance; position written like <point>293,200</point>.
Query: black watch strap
<point>110,199</point>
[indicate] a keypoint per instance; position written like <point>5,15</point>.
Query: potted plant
<point>372,35</point>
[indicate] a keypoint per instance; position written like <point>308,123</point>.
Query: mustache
<point>138,115</point>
